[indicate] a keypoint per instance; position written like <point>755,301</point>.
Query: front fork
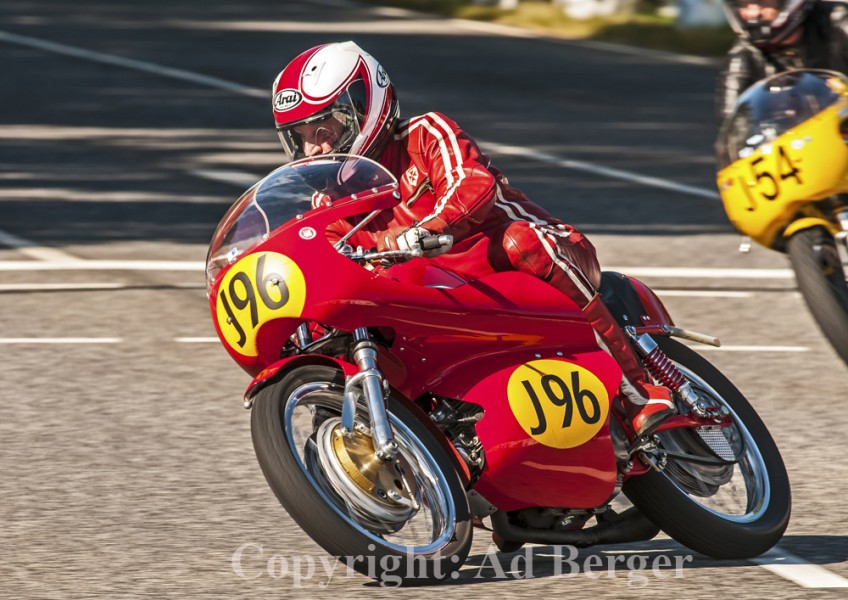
<point>370,384</point>
<point>841,237</point>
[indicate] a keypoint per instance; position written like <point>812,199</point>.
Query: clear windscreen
<point>286,192</point>
<point>774,106</point>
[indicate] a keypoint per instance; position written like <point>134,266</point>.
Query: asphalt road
<point>126,467</point>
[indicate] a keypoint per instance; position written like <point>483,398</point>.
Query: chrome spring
<point>664,370</point>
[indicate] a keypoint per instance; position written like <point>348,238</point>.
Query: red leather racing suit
<point>448,185</point>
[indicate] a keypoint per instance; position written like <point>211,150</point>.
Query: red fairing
<point>522,472</point>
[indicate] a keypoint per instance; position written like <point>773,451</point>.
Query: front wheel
<point>401,521</point>
<point>733,510</point>
<point>821,280</point>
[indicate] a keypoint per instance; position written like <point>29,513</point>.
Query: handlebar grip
<point>434,242</point>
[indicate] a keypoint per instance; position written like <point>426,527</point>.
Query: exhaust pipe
<point>612,528</point>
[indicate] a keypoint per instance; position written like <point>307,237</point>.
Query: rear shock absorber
<point>665,371</point>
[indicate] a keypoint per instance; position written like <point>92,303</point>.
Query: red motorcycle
<point>395,405</point>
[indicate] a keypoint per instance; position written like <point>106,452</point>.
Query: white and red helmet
<point>339,81</point>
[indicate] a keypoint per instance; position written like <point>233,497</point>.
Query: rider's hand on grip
<point>410,239</point>
<point>416,238</point>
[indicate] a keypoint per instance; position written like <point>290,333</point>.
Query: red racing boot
<point>647,405</point>
<point>658,405</point>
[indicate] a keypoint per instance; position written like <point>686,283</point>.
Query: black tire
<point>678,500</point>
<point>303,485</point>
<point>821,280</point>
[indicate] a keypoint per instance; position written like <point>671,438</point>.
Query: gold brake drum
<point>382,494</point>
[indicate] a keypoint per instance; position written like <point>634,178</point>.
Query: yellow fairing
<point>763,192</point>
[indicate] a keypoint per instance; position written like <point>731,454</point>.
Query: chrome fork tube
<point>368,382</point>
<point>304,336</point>
<point>842,236</point>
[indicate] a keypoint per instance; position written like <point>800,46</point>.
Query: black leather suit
<point>823,45</point>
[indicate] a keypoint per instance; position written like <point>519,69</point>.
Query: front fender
<point>809,222</point>
<point>276,370</point>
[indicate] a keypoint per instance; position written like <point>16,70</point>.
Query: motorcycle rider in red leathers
<point>338,98</point>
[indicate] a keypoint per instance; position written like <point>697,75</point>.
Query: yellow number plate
<point>558,404</point>
<point>259,288</point>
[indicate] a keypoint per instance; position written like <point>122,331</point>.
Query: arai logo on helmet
<point>382,76</point>
<point>287,99</point>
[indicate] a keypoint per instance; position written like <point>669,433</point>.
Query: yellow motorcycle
<point>783,177</point>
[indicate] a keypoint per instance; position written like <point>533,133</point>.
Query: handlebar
<point>427,244</point>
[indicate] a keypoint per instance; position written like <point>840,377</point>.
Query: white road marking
<point>49,287</point>
<point>94,286</point>
<point>697,347</point>
<point>799,571</point>
<point>431,26</point>
<point>703,273</point>
<point>700,347</point>
<point>102,265</point>
<point>177,265</point>
<point>60,340</point>
<point>579,165</point>
<point>214,340</point>
<point>128,63</point>
<point>31,249</point>
<point>702,293</point>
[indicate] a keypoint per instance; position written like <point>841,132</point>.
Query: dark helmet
<point>767,27</point>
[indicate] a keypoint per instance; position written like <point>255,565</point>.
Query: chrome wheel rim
<point>426,530</point>
<point>742,493</point>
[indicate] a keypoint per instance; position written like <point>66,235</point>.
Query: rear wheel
<point>821,280</point>
<point>725,510</point>
<point>406,519</point>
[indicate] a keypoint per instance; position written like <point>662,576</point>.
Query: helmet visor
<point>331,130</point>
<point>763,21</point>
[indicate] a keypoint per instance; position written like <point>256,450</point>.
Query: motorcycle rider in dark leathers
<point>779,35</point>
